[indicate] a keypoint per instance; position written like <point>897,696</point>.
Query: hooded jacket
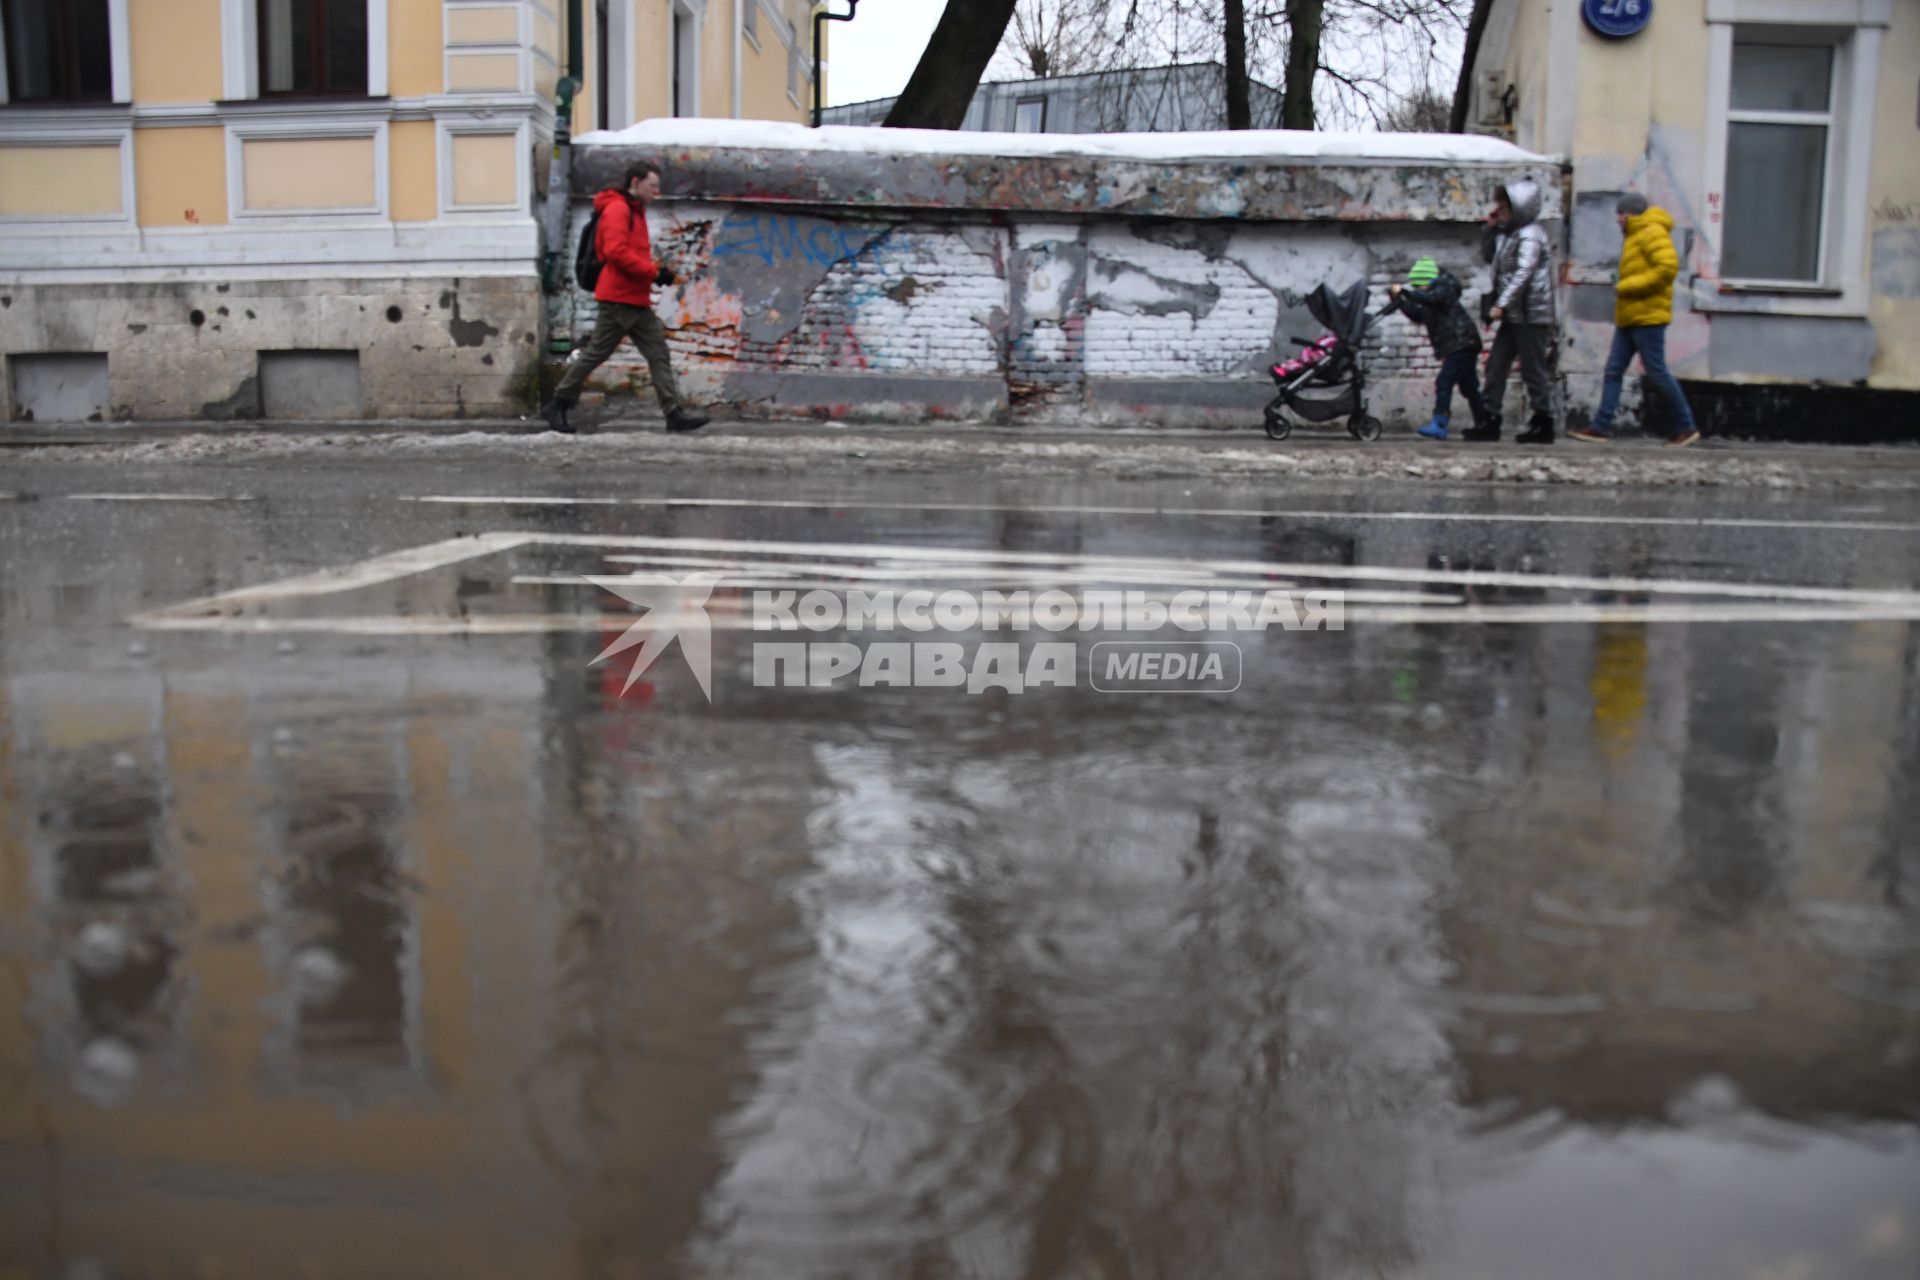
<point>625,249</point>
<point>1437,306</point>
<point>1648,265</point>
<point>1522,261</point>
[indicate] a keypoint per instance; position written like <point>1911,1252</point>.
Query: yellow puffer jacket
<point>1648,266</point>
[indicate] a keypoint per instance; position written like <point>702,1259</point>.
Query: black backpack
<point>586,259</point>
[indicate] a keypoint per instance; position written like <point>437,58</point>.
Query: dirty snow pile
<point>1239,144</point>
<point>1112,455</point>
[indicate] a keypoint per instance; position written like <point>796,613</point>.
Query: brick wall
<point>863,308</point>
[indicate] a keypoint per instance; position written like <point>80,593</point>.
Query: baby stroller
<point>1327,379</point>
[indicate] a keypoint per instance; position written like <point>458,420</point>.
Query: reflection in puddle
<point>1568,951</point>
<point>102,833</point>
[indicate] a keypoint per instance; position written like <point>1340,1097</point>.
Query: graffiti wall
<point>1067,295</point>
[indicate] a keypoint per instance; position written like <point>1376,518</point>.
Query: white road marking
<point>731,583</point>
<point>1479,615</point>
<point>1254,568</point>
<point>1723,602</point>
<point>1467,517</point>
<point>1540,614</point>
<point>157,497</point>
<point>348,577</point>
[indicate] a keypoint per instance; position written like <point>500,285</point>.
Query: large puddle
<point>1571,948</point>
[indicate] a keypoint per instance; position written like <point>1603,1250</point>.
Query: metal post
<point>559,173</point>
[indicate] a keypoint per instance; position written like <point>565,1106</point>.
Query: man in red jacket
<point>625,294</point>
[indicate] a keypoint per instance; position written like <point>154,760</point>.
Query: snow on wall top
<point>1247,144</point>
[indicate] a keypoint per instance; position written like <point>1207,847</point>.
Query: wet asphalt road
<point>362,927</point>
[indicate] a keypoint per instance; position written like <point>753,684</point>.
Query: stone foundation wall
<point>426,347</point>
<point>1068,290</point>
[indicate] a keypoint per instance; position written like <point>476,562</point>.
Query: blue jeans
<point>1460,369</point>
<point>1649,342</point>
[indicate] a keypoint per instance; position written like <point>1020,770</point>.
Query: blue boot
<point>1437,429</point>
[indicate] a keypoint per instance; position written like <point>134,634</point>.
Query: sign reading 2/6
<point>1617,19</point>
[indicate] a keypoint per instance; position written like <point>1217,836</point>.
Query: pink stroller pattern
<point>1310,355</point>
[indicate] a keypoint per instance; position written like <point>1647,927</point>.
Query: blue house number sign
<point>1617,19</point>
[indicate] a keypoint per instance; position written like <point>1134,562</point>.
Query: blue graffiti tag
<point>775,238</point>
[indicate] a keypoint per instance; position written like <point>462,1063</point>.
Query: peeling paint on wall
<point>1896,262</point>
<point>1019,283</point>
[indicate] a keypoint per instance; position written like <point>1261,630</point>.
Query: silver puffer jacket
<point>1522,260</point>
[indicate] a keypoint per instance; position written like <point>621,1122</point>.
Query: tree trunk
<point>1239,108</point>
<point>1463,90</point>
<point>943,84</point>
<point>1304,20</point>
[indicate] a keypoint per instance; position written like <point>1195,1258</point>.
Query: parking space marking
<point>780,565</point>
<point>1255,568</point>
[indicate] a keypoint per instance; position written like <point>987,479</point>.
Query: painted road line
<point>1684,522</point>
<point>962,573</point>
<point>1544,614</point>
<point>1770,603</point>
<point>348,577</point>
<point>1480,615</point>
<point>1251,568</point>
<point>156,497</point>
<point>788,584</point>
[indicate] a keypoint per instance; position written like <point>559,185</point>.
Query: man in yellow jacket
<point>1642,309</point>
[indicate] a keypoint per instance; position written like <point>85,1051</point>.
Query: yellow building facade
<point>319,208</point>
<point>1782,136</point>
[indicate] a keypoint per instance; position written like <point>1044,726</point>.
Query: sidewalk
<point>1135,453</point>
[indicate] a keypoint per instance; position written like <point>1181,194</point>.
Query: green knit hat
<point>1424,273</point>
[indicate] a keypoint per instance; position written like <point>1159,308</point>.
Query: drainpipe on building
<point>820,15</point>
<point>560,172</point>
<point>739,18</point>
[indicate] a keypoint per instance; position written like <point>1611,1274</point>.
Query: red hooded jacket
<point>628,270</point>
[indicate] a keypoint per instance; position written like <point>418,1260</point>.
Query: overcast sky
<point>875,53</point>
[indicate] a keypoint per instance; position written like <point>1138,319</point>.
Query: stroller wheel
<point>1364,426</point>
<point>1279,427</point>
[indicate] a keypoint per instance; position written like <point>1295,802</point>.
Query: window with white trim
<point>1030,115</point>
<point>313,46</point>
<point>57,51</point>
<point>750,20</point>
<point>1793,89</point>
<point>686,62</point>
<point>1780,153</point>
<point>302,48</point>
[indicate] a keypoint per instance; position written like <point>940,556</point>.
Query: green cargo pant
<point>620,320</point>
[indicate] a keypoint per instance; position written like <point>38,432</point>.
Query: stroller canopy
<point>1343,313</point>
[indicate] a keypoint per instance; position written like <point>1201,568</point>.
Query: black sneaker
<point>686,420</point>
<point>1539,430</point>
<point>1485,431</point>
<point>556,415</point>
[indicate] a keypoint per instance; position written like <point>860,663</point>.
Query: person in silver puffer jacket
<point>1522,259</point>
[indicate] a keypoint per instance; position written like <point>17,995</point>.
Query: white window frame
<point>623,67</point>
<point>240,49</point>
<point>1855,30</point>
<point>750,22</point>
<point>1831,120</point>
<point>278,128</point>
<point>120,51</point>
<point>696,15</point>
<point>521,204</point>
